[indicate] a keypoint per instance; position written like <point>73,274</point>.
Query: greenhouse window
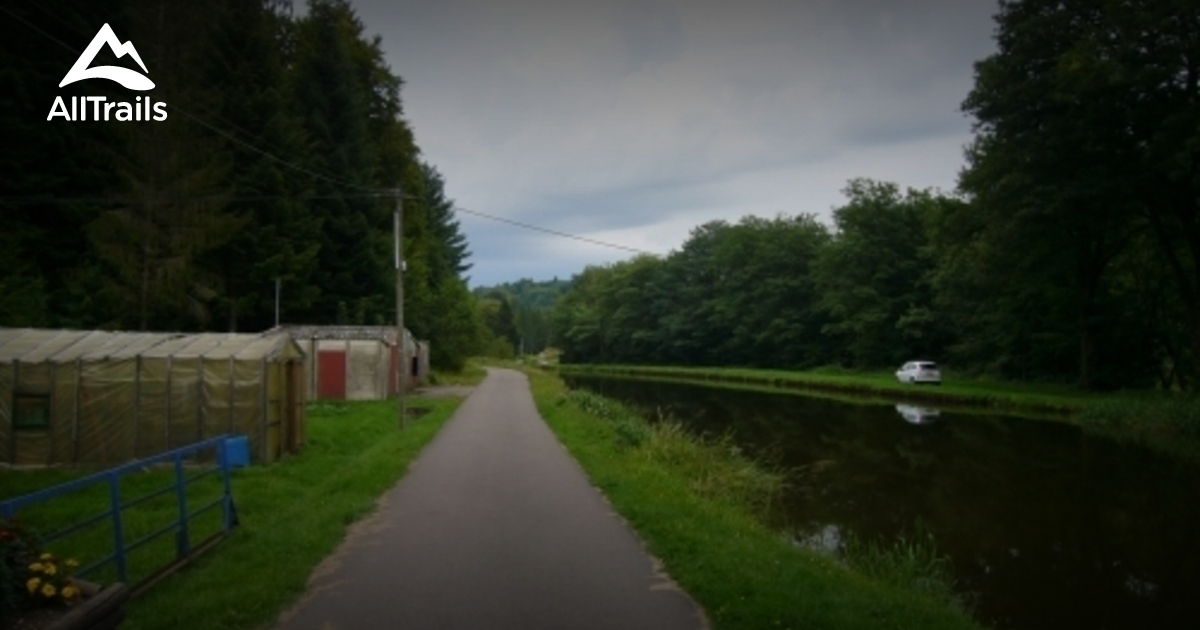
<point>31,411</point>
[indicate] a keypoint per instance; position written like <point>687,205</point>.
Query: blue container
<point>237,451</point>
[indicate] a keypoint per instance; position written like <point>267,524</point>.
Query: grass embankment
<point>1026,397</point>
<point>701,508</point>
<point>1165,422</point>
<point>471,374</point>
<point>293,513</point>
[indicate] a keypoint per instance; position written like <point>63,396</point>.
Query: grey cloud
<point>650,30</point>
<point>594,117</point>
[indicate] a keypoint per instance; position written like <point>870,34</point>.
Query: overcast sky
<point>634,121</point>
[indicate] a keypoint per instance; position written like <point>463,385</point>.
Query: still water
<point>1046,526</point>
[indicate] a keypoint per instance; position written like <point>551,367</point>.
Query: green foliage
<point>472,373</point>
<point>715,467</point>
<point>18,548</point>
<point>527,292</point>
<point>744,574</point>
<point>911,562</point>
<point>292,514</point>
<point>291,119</point>
<point>449,258</point>
<point>1163,423</point>
<point>438,306</point>
<point>531,304</point>
<point>1085,125</point>
<point>734,294</point>
<point>780,293</point>
<point>40,278</point>
<point>498,348</point>
<point>23,288</point>
<point>1072,255</point>
<point>456,332</point>
<point>499,337</point>
<point>874,276</point>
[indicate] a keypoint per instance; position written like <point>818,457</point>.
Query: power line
<point>46,200</point>
<point>553,232</point>
<point>39,200</point>
<point>227,122</point>
<point>44,33</point>
<point>366,191</point>
<point>197,119</point>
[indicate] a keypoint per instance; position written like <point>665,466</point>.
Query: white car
<point>919,372</point>
<point>918,415</point>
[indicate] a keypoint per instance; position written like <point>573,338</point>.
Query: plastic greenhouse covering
<point>69,396</point>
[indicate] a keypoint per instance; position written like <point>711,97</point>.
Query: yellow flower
<point>70,592</point>
<point>36,566</point>
<point>33,584</point>
<point>46,556</point>
<point>72,563</point>
<point>48,590</point>
<point>49,569</point>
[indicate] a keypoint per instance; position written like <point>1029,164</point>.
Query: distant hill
<point>528,293</point>
<point>530,304</point>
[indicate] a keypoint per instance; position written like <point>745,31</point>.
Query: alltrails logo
<point>131,79</point>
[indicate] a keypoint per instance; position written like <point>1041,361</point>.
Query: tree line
<point>1070,252</point>
<point>285,134</point>
<point>517,314</point>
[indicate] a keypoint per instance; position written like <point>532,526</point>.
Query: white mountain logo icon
<point>126,77</point>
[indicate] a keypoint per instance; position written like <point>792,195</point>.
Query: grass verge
<point>1017,397</point>
<point>471,374</point>
<point>1168,423</point>
<point>700,508</point>
<point>911,562</point>
<point>293,513</point>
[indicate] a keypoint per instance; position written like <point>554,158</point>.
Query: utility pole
<point>402,371</point>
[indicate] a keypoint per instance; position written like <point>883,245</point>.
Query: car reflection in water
<point>918,415</point>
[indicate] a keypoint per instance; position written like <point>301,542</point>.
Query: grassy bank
<point>1037,398</point>
<point>293,513</point>
<point>1165,422</point>
<point>1169,425</point>
<point>471,374</point>
<point>701,509</point>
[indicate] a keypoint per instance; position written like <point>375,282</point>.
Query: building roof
<point>35,345</point>
<point>312,331</point>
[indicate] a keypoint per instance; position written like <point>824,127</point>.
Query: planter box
<point>102,611</point>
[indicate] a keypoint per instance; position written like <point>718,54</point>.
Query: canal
<point>1046,527</point>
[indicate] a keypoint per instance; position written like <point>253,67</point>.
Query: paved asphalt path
<point>494,527</point>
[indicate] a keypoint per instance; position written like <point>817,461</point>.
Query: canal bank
<point>860,385</point>
<point>1048,525</point>
<point>1166,423</point>
<point>744,573</point>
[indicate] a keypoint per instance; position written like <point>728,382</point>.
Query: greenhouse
<point>96,397</point>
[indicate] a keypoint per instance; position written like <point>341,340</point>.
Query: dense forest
<point>519,312</point>
<point>1070,252</point>
<point>283,141</point>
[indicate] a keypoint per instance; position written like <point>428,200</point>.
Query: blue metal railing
<point>114,513</point>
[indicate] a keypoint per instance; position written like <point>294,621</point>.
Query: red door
<point>331,379</point>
